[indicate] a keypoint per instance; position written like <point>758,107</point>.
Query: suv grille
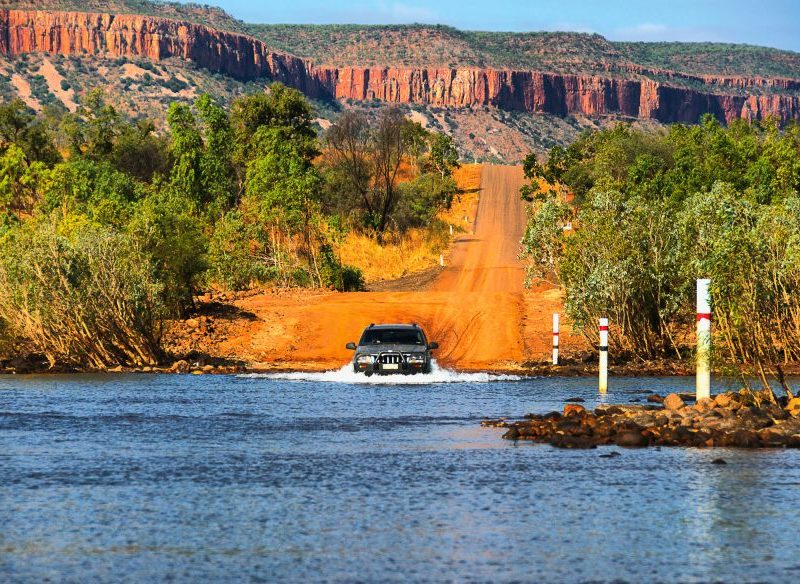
<point>393,358</point>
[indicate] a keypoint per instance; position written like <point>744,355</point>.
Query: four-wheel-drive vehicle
<point>386,349</point>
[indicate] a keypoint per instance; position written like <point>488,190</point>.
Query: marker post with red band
<point>703,339</point>
<point>555,339</point>
<point>603,355</point>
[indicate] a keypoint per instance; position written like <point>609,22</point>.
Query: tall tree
<point>281,107</point>
<point>349,143</point>
<point>216,163</point>
<point>390,146</point>
<point>186,148</point>
<point>443,156</point>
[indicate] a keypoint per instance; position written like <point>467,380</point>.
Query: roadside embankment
<point>733,419</point>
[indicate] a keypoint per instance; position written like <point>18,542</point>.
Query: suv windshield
<point>391,336</point>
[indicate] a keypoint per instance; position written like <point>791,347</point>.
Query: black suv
<point>388,349</point>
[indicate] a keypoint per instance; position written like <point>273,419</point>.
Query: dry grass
<point>417,249</point>
<point>461,214</point>
<point>468,177</point>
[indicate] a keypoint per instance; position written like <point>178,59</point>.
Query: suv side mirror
<point>351,346</point>
<point>433,345</point>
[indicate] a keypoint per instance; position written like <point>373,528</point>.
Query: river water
<point>321,478</point>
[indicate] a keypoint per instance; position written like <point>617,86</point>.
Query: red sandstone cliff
<point>75,33</point>
<point>247,58</point>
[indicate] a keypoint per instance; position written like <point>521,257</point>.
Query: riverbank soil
<point>735,419</point>
<point>476,307</point>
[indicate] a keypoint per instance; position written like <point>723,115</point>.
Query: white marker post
<point>603,355</point>
<point>703,339</point>
<point>555,339</point>
<point>441,259</point>
<point>451,230</point>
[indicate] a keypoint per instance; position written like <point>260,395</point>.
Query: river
<point>320,478</point>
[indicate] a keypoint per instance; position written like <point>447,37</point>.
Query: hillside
<point>558,52</point>
<point>499,94</point>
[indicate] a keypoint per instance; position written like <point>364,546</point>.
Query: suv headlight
<point>416,358</point>
<point>364,359</point>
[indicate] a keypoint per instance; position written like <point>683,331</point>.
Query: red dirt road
<point>487,261</point>
<point>477,309</point>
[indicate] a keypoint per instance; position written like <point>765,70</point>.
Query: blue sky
<point>772,23</point>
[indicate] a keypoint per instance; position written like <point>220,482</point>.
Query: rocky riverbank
<point>196,366</point>
<point>734,419</point>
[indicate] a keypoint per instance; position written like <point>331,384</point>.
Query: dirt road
<point>486,261</point>
<point>480,317</point>
<point>477,308</point>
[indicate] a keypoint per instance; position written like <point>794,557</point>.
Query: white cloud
<point>375,12</point>
<point>645,29</point>
<point>649,31</point>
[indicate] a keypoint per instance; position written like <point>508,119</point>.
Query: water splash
<point>347,375</point>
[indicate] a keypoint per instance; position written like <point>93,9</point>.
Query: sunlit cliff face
<point>246,58</point>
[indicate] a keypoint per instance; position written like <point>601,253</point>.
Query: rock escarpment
<point>633,93</point>
<point>134,36</point>
<point>560,94</point>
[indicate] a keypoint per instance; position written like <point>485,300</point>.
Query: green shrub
<point>164,227</point>
<point>230,261</point>
<point>174,84</point>
<point>81,295</point>
<point>338,276</point>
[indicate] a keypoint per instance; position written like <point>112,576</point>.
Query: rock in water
<point>573,409</point>
<point>673,402</point>
<point>719,461</point>
<point>745,439</point>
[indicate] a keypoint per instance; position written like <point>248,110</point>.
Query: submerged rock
<point>499,423</point>
<point>632,439</point>
<point>566,441</point>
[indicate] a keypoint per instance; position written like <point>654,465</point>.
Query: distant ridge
<point>498,94</point>
<point>427,45</point>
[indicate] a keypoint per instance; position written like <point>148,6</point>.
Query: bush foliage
<point>652,212</point>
